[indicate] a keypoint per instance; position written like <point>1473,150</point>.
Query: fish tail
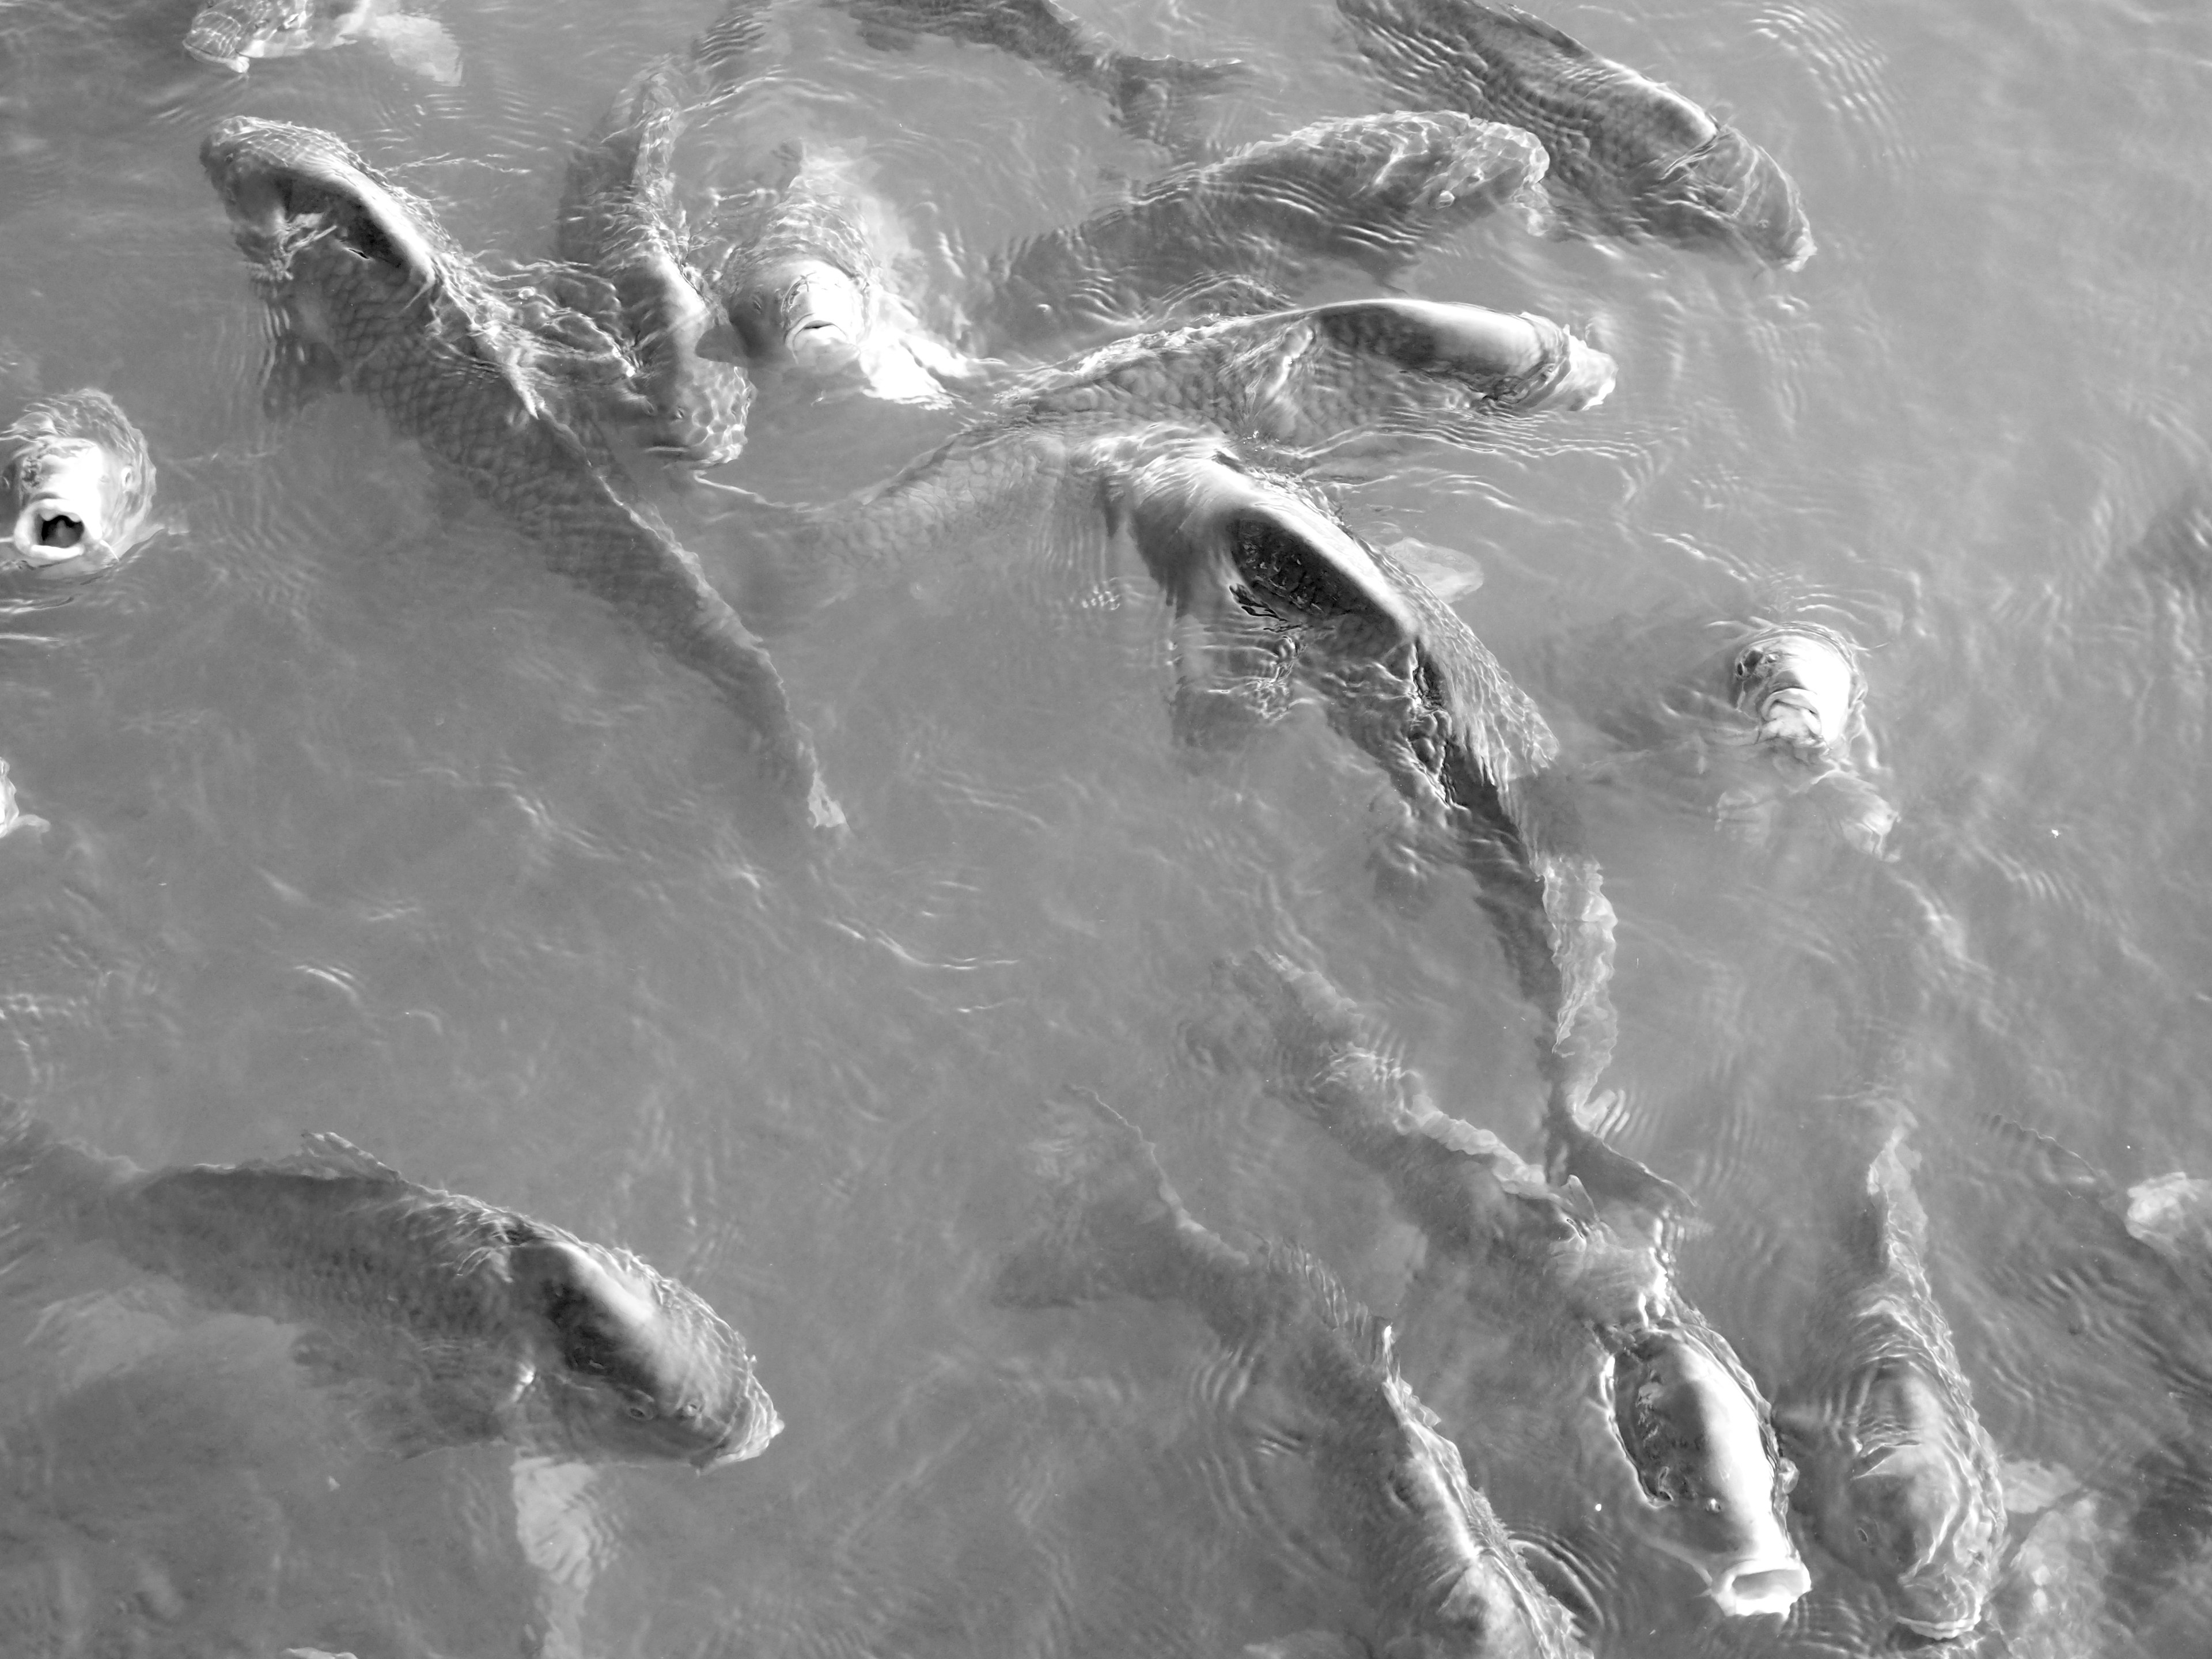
<point>1107,1221</point>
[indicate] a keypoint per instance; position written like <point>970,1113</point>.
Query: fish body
<point>1443,1577</point>
<point>1302,379</point>
<point>1267,583</point>
<point>619,217</point>
<point>481,1324</point>
<point>1284,588</point>
<point>1368,191</point>
<point>1901,1480</point>
<point>366,285</point>
<point>1589,1251</point>
<point>1151,96</point>
<point>229,33</point>
<point>76,483</point>
<point>1638,158</point>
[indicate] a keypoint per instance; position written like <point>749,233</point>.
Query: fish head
<point>1800,685</point>
<point>1730,194</point>
<point>806,312</point>
<point>1704,1452</point>
<point>228,32</point>
<point>290,188</point>
<point>1215,533</point>
<point>1447,1583</point>
<point>78,482</point>
<point>635,1366</point>
<point>1488,359</point>
<point>1901,1500</point>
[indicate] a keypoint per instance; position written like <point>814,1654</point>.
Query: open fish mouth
<point>1756,1584</point>
<point>50,530</point>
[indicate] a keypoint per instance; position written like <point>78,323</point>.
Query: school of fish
<point>1150,365</point>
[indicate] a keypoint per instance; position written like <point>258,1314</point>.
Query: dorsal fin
<point>1546,32</point>
<point>332,1158</point>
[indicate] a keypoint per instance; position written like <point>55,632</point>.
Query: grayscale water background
<point>362,822</point>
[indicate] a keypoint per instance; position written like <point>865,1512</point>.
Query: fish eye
<point>688,1410</point>
<point>1401,1489</point>
<point>639,1411</point>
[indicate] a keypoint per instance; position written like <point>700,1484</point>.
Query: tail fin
<point>1107,1221</point>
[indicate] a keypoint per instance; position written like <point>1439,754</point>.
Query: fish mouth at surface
<point>52,530</point>
<point>1757,1584</point>
<point>761,1426</point>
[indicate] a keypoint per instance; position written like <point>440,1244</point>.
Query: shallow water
<point>363,821</point>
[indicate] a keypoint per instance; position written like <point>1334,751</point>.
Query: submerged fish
<point>227,33</point>
<point>1369,191</point>
<point>1266,582</point>
<point>479,1323</point>
<point>619,217</point>
<point>76,483</point>
<point>1587,1250</point>
<point>1636,157</point>
<point>1150,95</point>
<point>1441,1574</point>
<point>1900,1480</point>
<point>369,293</point>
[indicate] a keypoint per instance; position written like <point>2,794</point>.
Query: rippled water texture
<point>364,821</point>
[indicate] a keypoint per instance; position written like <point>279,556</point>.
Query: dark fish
<point>1151,96</point>
<point>480,1324</point>
<point>619,217</point>
<point>1589,1250</point>
<point>1301,379</point>
<point>1368,191</point>
<point>77,483</point>
<point>1901,1480</point>
<point>1282,587</point>
<point>1268,583</point>
<point>369,292</point>
<point>227,33</point>
<point>1441,1577</point>
<point>1636,157</point>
